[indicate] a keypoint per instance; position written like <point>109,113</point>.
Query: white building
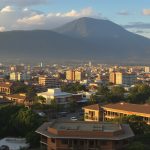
<point>18,76</point>
<point>14,143</point>
<point>57,95</point>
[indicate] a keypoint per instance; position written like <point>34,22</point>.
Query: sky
<point>134,15</point>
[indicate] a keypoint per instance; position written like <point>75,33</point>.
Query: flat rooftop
<point>85,130</point>
<point>86,126</point>
<point>136,108</point>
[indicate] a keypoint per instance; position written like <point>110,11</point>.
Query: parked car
<point>73,118</point>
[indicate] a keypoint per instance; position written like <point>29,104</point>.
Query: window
<point>53,140</point>
<point>64,141</point>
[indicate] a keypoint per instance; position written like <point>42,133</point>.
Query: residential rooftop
<point>133,108</point>
<point>85,130</point>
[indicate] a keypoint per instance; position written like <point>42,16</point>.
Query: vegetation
<point>17,121</point>
<point>73,87</point>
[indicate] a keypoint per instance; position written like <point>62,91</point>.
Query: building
<point>93,113</point>
<point>48,81</point>
<point>124,109</point>
<point>147,69</point>
<point>80,135</point>
<point>112,77</point>
<point>75,75</point>
<point>19,76</point>
<point>17,98</point>
<point>111,111</point>
<point>57,95</point>
<point>120,78</point>
<point>6,87</point>
<point>14,143</point>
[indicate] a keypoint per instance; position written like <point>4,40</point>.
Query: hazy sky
<point>134,15</point>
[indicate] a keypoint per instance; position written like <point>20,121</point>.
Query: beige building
<point>93,113</point>
<point>120,78</point>
<point>81,135</point>
<point>19,76</point>
<point>6,87</point>
<point>112,77</point>
<point>74,75</point>
<point>111,111</point>
<point>48,81</point>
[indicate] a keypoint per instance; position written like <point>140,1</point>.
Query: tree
<point>31,94</point>
<point>41,99</point>
<point>136,123</point>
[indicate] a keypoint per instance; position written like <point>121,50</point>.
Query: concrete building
<point>57,95</point>
<point>6,87</point>
<point>80,135</point>
<point>14,143</point>
<point>112,77</point>
<point>48,81</point>
<point>75,75</point>
<point>17,98</point>
<point>110,111</point>
<point>147,69</point>
<point>19,76</point>
<point>120,78</point>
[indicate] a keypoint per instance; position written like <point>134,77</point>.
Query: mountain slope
<point>84,38</point>
<point>39,44</point>
<point>109,38</point>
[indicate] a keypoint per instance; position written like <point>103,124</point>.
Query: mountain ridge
<point>84,38</point>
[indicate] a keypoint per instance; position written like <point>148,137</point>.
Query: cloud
<point>23,3</point>
<point>146,12</point>
<point>73,13</point>
<point>2,29</point>
<point>37,18</point>
<point>138,25</point>
<point>33,20</point>
<point>123,13</point>
<point>7,9</point>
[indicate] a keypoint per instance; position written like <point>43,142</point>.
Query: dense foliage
<point>18,121</point>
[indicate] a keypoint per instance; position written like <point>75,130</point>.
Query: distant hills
<point>81,39</point>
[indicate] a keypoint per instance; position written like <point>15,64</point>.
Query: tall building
<point>49,81</point>
<point>122,78</point>
<point>19,76</point>
<point>112,77</point>
<point>81,135</point>
<point>147,69</point>
<point>70,75</point>
<point>75,75</point>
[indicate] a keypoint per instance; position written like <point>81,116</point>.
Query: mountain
<point>109,40</point>
<point>81,39</point>
<point>39,44</point>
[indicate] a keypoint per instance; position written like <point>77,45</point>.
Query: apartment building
<point>57,95</point>
<point>19,76</point>
<point>120,78</point>
<point>111,111</point>
<point>48,81</point>
<point>81,135</point>
<point>6,87</point>
<point>74,75</point>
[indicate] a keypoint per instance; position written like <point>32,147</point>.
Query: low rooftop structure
<point>84,135</point>
<point>14,143</point>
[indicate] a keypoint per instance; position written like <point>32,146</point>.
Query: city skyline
<point>48,14</point>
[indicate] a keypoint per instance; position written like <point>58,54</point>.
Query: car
<point>73,118</point>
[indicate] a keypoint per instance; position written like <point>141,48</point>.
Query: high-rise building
<point>75,75</point>
<point>147,69</point>
<point>49,81</point>
<point>112,77</point>
<point>19,76</point>
<point>122,78</point>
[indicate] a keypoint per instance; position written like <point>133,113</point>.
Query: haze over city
<point>74,75</point>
